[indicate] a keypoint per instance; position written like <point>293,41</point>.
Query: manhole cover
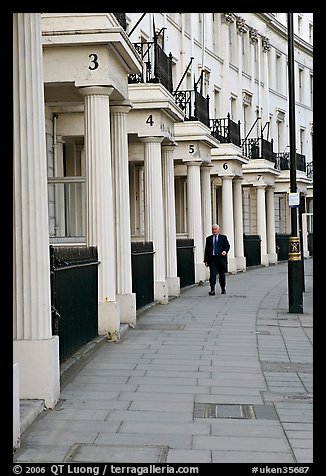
<point>219,410</point>
<point>286,367</point>
<point>286,397</point>
<point>235,411</point>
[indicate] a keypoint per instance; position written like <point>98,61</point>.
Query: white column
<point>238,224</point>
<point>34,348</point>
<point>261,222</point>
<point>154,216</point>
<point>120,173</point>
<point>271,239</point>
<point>227,226</point>
<point>169,218</point>
<point>305,251</point>
<point>206,197</point>
<point>194,217</point>
<point>100,222</point>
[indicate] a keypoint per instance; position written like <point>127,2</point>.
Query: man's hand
<point>223,253</point>
<point>206,264</point>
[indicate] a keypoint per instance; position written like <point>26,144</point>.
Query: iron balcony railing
<point>157,65</point>
<point>282,162</point>
<point>121,17</point>
<point>310,170</point>
<point>258,148</point>
<point>193,104</point>
<point>226,131</point>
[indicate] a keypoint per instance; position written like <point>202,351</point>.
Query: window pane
<point>66,209</point>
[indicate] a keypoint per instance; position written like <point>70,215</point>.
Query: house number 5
<point>94,59</point>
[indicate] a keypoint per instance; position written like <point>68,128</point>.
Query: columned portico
<point>34,348</point>
<point>261,222</point>
<point>169,219</point>
<point>271,242</point>
<point>119,148</point>
<point>100,223</point>
<point>238,224</point>
<point>194,217</point>
<point>154,215</point>
<point>227,227</point>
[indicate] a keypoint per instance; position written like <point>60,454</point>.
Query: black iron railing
<point>282,162</point>
<point>142,272</point>
<point>74,296</point>
<point>252,249</point>
<point>185,262</point>
<point>157,65</point>
<point>193,104</point>
<point>225,130</point>
<point>310,170</point>
<point>259,148</point>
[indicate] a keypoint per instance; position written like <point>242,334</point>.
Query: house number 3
<point>94,59</point>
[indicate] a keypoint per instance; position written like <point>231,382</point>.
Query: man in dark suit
<point>215,256</point>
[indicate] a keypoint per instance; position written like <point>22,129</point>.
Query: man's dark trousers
<point>216,267</point>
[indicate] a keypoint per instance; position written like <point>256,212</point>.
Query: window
<point>278,72</point>
<point>300,85</point>
<point>311,90</point>
<point>299,25</point>
<point>67,194</point>
<point>311,33</point>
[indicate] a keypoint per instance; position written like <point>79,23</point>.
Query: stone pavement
<point>203,379</point>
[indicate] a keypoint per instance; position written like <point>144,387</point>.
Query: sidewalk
<point>203,379</point>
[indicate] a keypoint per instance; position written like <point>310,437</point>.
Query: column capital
<point>227,177</point>
<point>207,166</point>
<point>95,90</point>
<point>151,139</point>
<point>193,162</point>
<point>169,147</point>
<point>122,107</point>
<point>260,185</point>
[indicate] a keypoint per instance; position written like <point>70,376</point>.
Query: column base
<point>272,258</point>
<point>161,292</point>
<point>127,305</point>
<point>200,273</point>
<point>173,286</point>
<point>39,369</point>
<point>241,263</point>
<point>232,265</point>
<point>265,260</point>
<point>16,408</point>
<point>109,320</point>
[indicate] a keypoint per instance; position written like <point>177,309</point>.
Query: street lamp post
<point>294,261</point>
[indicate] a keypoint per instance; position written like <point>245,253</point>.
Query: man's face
<point>215,230</point>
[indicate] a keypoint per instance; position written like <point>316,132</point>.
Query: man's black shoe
<point>211,293</point>
<point>223,291</point>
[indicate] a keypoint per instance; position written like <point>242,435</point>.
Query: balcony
<point>226,131</point>
<point>282,162</point>
<point>193,104</point>
<point>259,148</point>
<point>157,65</point>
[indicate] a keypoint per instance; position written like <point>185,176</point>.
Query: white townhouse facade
<point>148,128</point>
